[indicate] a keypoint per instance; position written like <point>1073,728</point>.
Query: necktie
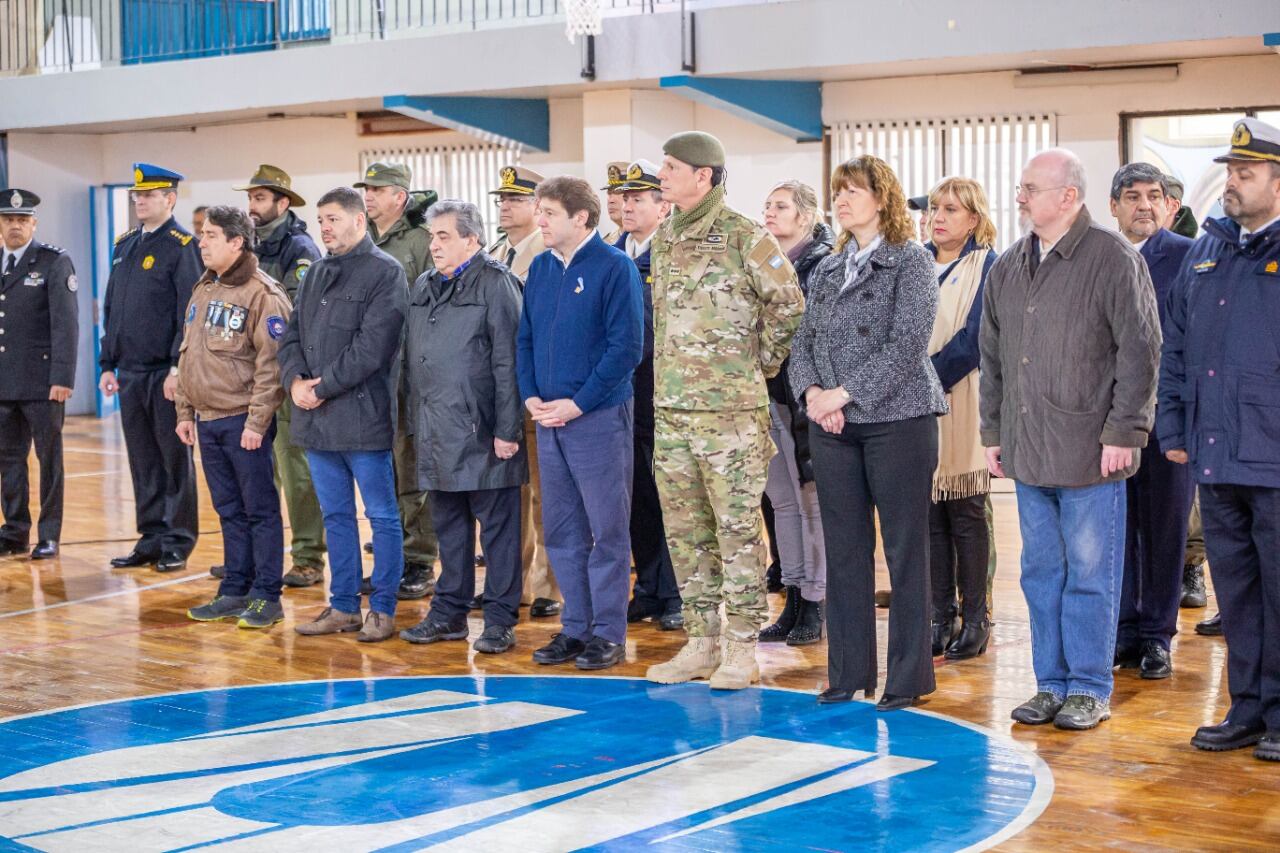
<point>11,263</point>
<point>511,256</point>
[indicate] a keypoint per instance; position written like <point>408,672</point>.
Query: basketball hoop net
<point>583,18</point>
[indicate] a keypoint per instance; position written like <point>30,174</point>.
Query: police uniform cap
<point>18,202</point>
<point>517,180</point>
<point>918,202</point>
<point>641,175</point>
<point>617,172</point>
<point>385,175</point>
<point>273,178</point>
<point>695,148</point>
<point>1253,140</point>
<point>147,176</point>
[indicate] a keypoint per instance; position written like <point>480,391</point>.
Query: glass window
<point>1184,146</point>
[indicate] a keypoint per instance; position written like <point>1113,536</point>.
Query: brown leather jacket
<point>227,364</point>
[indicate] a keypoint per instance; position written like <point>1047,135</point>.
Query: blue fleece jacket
<point>582,328</point>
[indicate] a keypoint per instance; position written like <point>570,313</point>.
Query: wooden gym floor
<point>74,631</point>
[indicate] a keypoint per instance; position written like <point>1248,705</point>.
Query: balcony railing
<point>50,36</point>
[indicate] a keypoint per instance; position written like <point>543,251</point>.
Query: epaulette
<point>57,250</point>
<point>184,239</point>
<point>128,233</point>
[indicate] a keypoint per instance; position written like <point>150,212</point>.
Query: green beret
<point>696,148</point>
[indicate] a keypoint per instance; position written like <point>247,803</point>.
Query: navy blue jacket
<point>1164,253</point>
<point>582,328</point>
<point>1220,364</point>
<point>959,356</point>
<point>151,279</point>
<point>642,380</point>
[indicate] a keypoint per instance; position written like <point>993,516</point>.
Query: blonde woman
<point>791,215</point>
<point>860,362</point>
<point>961,239</point>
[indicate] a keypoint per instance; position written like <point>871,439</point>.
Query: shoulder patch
<point>184,239</point>
<point>73,283</point>
<point>128,233</point>
<point>275,326</point>
<point>301,271</point>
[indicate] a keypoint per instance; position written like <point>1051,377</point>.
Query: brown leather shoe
<point>330,621</point>
<point>377,627</point>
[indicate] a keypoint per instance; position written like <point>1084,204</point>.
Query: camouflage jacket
<point>725,305</point>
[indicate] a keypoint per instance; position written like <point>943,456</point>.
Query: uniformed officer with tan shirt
<point>229,381</point>
<point>520,244</point>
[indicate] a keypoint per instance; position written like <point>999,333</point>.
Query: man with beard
<point>285,252</point>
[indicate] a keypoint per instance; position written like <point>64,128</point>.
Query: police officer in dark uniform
<point>153,269</point>
<point>38,332</point>
<point>1219,399</point>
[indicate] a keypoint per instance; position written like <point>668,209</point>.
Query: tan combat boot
<point>330,621</point>
<point>698,659</point>
<point>739,669</point>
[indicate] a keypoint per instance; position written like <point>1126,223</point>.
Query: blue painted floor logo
<point>505,763</point>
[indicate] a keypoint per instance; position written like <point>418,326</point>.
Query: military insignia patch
<point>72,283</point>
<point>33,280</point>
<point>508,177</point>
<point>275,327</point>
<point>148,262</point>
<point>191,313</point>
<point>1272,268</point>
<point>1241,137</point>
<point>1204,266</point>
<point>371,173</point>
<point>15,200</point>
<point>225,318</point>
<point>301,270</point>
<point>775,261</point>
<point>615,175</point>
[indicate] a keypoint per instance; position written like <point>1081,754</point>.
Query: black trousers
<point>655,577</point>
<point>885,468</point>
<point>1159,503</point>
<point>162,468</point>
<point>242,487</point>
<point>959,552</point>
<point>454,516</point>
<point>1242,540</point>
<point>21,422</point>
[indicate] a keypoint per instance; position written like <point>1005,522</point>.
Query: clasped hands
<point>826,408</point>
<point>555,413</point>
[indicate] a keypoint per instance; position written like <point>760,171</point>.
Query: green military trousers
<point>293,479</point>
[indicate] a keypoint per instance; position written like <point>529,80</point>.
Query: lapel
<point>885,255</point>
<point>21,268</point>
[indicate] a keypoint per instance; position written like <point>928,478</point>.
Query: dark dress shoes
<point>1128,655</point>
<point>219,571</point>
<point>1269,747</point>
<point>639,610</point>
<point>417,582</point>
<point>834,695</point>
<point>1038,710</point>
<point>600,654</point>
<point>971,641</point>
<point>13,546</point>
<point>133,559</point>
<point>941,632</point>
<point>561,649</point>
<point>477,603</point>
<point>672,620</point>
<point>893,702</point>
<point>1227,735</point>
<point>366,585</point>
<point>171,561</point>
<point>1211,627</point>
<point>542,607</point>
<point>1155,661</point>
<point>46,550</point>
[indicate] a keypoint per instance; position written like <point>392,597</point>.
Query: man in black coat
<point>39,323</point>
<point>338,358</point>
<point>468,424</point>
<point>153,269</point>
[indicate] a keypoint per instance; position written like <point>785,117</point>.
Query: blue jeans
<point>243,491</point>
<point>334,472</point>
<point>1072,566</point>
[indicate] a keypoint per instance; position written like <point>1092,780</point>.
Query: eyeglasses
<point>1030,191</point>
<point>511,199</point>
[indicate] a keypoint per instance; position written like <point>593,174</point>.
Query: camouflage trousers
<point>711,469</point>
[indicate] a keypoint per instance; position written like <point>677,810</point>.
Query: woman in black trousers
<point>860,362</point>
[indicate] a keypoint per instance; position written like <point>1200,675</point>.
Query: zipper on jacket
<point>555,323</point>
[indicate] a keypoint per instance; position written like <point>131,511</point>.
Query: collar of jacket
<point>588,249</point>
<point>1228,230</point>
<point>698,221</point>
<point>970,245</point>
<point>171,222</point>
<point>1155,246</point>
<point>237,274</point>
<point>1067,242</point>
<point>885,255</point>
<point>401,224</point>
<point>282,229</point>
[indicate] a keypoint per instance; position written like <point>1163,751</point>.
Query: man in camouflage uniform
<point>397,218</point>
<point>285,252</point>
<point>725,305</point>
